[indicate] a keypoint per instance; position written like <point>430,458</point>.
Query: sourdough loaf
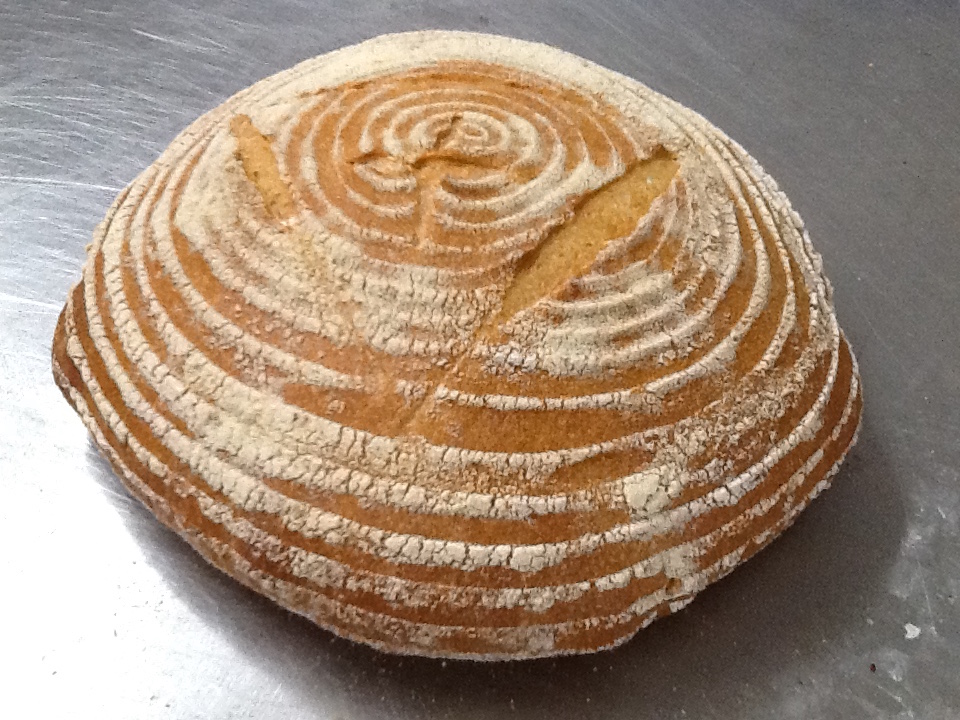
<point>461,346</point>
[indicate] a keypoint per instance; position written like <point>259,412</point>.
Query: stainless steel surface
<point>854,107</point>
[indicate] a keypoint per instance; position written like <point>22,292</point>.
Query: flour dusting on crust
<point>462,346</point>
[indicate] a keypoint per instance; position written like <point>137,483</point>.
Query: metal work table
<point>853,107</point>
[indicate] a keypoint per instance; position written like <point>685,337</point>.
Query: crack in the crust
<point>430,167</point>
<point>429,178</point>
<point>446,132</point>
<point>607,214</point>
<point>255,152</point>
<point>568,252</point>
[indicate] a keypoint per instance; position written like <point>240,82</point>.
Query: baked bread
<point>461,346</point>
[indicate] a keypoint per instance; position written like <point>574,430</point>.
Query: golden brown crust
<point>461,346</point>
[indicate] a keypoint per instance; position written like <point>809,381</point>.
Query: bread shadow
<point>772,618</point>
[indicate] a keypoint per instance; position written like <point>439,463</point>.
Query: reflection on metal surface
<point>110,616</point>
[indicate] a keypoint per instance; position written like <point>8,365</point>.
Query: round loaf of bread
<point>462,346</point>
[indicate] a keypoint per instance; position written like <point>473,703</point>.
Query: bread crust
<point>461,346</point>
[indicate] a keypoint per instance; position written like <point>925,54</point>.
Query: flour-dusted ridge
<point>461,346</point>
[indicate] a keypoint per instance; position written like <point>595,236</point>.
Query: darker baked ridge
<point>79,303</point>
<point>470,644</point>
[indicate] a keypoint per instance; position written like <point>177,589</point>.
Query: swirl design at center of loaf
<point>455,163</point>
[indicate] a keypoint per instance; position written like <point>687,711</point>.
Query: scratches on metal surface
<point>161,38</point>
<point>23,180</point>
<point>7,299</point>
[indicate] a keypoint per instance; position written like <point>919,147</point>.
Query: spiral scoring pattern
<point>461,346</point>
<point>452,165</point>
